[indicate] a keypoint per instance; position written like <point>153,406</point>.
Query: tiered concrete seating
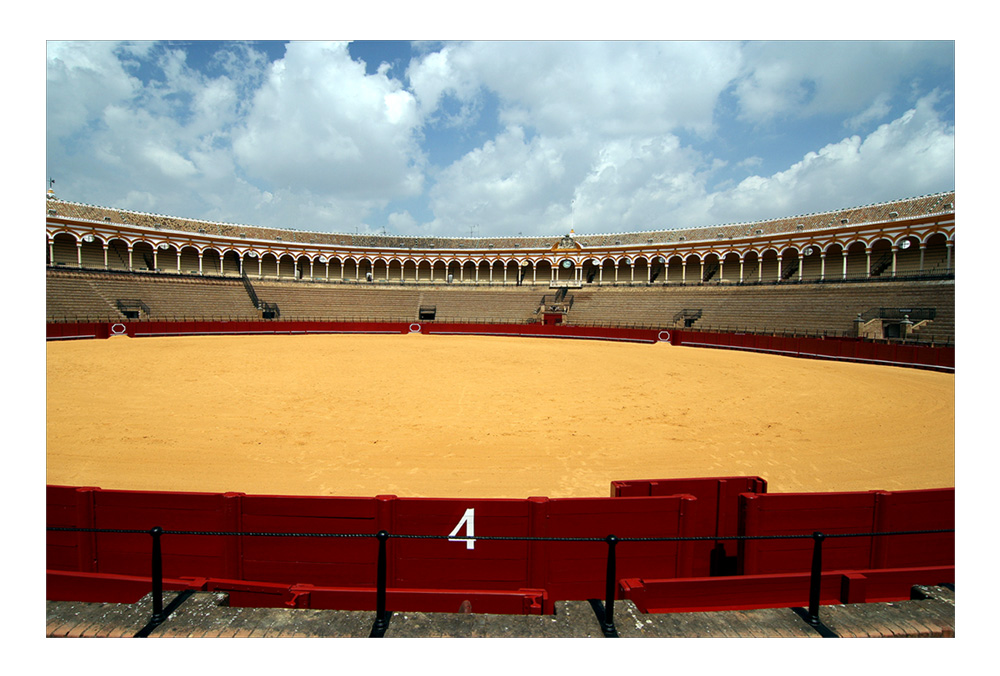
<point>786,308</point>
<point>376,302</point>
<point>304,300</point>
<point>72,297</point>
<point>781,308</point>
<point>91,296</point>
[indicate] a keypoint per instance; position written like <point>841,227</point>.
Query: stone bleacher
<point>305,300</point>
<point>828,308</point>
<point>92,296</point>
<point>787,308</point>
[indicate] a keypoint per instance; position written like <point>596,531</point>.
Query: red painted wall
<point>429,572</point>
<point>847,349</point>
<point>839,513</point>
<point>714,512</point>
<point>844,349</point>
<point>565,569</point>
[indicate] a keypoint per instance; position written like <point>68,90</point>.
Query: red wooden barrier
<point>845,349</point>
<point>915,510</point>
<point>278,327</point>
<point>186,555</point>
<point>460,562</point>
<point>841,513</point>
<point>714,512</point>
<point>575,570</point>
<point>67,506</point>
<point>779,590</point>
<point>455,560</point>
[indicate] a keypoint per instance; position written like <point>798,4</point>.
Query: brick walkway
<point>205,614</point>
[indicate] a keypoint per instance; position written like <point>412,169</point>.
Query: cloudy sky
<point>497,137</point>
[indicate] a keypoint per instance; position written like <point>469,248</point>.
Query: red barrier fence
<point>221,328</point>
<point>506,555</point>
<point>715,512</point>
<point>832,513</point>
<point>569,570</point>
<point>842,349</point>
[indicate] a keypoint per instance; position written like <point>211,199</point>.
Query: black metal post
<point>381,617</point>
<point>815,578</point>
<point>157,575</point>
<point>608,625</point>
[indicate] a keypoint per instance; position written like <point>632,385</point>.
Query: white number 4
<point>469,521</point>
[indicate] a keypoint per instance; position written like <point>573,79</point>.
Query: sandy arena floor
<point>469,416</point>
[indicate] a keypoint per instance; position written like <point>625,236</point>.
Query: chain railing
<point>382,616</point>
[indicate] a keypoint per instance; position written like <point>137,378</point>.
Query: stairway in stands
<point>267,310</point>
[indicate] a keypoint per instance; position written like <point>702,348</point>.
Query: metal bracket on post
<point>159,615</point>
<point>816,578</point>
<point>381,616</point>
<point>157,573</point>
<point>611,583</point>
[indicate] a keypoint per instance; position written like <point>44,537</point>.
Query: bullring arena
<point>721,382</point>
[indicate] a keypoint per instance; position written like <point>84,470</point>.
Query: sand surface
<point>470,416</point>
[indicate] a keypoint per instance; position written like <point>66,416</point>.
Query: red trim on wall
<point>840,349</point>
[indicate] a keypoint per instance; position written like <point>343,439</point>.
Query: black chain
<point>508,538</point>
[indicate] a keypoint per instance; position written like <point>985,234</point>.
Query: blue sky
<point>497,137</point>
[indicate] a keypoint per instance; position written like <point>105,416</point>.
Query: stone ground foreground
<point>930,614</point>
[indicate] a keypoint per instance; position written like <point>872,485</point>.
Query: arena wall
<point>281,550</point>
<point>843,349</point>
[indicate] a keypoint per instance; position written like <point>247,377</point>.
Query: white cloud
<point>505,186</point>
<point>402,221</point>
<point>641,184</point>
<point>910,156</point>
<point>319,124</point>
<point>802,79</point>
<point>608,89</point>
<point>436,75</point>
<point>591,122</point>
<point>595,136</point>
<point>879,108</point>
<point>82,79</point>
